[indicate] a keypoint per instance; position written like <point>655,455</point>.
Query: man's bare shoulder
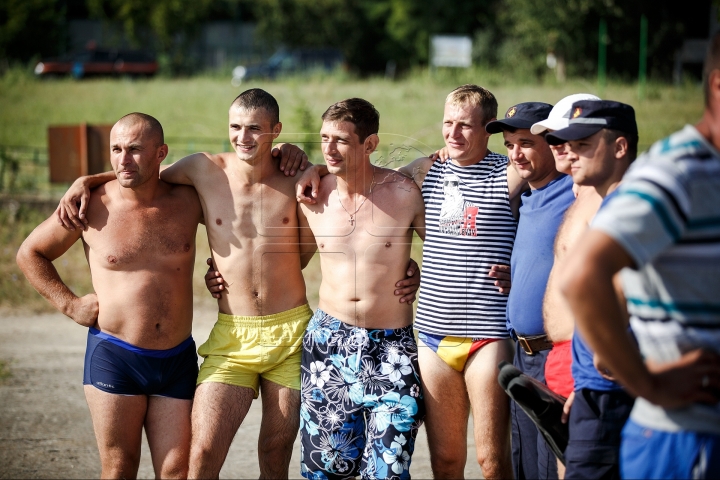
<point>417,169</point>
<point>395,187</point>
<point>385,176</point>
<point>185,192</point>
<point>210,160</point>
<point>201,161</point>
<point>328,184</point>
<point>104,193</point>
<point>587,203</point>
<point>184,200</point>
<point>103,200</point>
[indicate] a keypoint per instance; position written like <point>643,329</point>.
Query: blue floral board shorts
<point>361,400</point>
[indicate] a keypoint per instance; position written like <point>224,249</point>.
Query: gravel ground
<point>45,428</point>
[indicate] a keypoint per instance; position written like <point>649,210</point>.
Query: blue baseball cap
<point>588,117</point>
<point>522,115</point>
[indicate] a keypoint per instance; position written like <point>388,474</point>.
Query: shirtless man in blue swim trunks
<point>140,364</point>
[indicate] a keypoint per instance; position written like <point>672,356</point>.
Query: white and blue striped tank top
<point>469,228</point>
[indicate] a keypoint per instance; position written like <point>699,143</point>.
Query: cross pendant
<point>352,220</point>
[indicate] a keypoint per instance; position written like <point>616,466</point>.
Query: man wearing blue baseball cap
<point>541,212</point>
<point>661,232</point>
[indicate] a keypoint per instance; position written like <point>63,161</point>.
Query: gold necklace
<point>352,215</point>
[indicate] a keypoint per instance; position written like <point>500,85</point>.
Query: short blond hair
<point>475,96</point>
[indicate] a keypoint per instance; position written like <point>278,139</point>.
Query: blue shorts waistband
<point>171,352</point>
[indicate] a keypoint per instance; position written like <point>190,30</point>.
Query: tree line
<point>515,35</point>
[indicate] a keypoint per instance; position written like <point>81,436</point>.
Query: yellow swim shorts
<point>241,350</point>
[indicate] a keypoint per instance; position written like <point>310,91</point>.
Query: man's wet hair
<point>611,135</point>
<point>150,125</point>
<point>357,111</point>
<point>475,96</point>
<point>712,62</point>
<point>257,98</point>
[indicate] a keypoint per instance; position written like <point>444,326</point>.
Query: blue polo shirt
<point>541,213</point>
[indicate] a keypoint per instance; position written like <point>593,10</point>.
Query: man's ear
<point>621,147</point>
<point>371,143</point>
<point>487,134</point>
<point>277,129</point>
<point>162,153</point>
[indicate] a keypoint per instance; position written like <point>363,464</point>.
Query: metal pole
<point>642,74</point>
<point>602,57</point>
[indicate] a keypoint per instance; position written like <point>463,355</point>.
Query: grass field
<point>194,115</point>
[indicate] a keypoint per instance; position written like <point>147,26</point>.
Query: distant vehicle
<point>99,62</point>
<point>289,61</point>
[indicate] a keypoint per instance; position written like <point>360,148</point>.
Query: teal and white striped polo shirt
<point>667,217</point>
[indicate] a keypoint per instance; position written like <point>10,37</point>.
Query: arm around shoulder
<point>71,215</point>
<point>310,179</point>
<point>417,169</point>
<point>186,170</point>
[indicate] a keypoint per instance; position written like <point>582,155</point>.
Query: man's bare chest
<point>371,227</point>
<point>574,225</point>
<point>249,213</point>
<point>144,237</point>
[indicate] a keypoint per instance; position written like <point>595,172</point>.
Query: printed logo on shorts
<point>101,384</point>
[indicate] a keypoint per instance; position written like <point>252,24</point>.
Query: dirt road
<point>45,428</point>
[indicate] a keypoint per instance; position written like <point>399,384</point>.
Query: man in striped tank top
<point>461,314</point>
<point>661,231</point>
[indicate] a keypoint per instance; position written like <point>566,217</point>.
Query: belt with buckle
<point>534,343</point>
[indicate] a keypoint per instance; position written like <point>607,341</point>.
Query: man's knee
<point>277,445</point>
<point>447,461</point>
<point>490,467</point>
<point>177,468</point>
<point>117,463</point>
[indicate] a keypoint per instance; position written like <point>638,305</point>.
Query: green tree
<point>172,23</point>
<point>370,32</point>
<point>569,29</point>
<point>31,27</point>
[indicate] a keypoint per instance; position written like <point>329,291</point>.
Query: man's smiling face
<point>251,131</point>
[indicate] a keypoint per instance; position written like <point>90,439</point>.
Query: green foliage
<point>514,35</point>
<point>569,29</point>
<point>309,126</point>
<point>30,27</point>
<point>370,32</point>
<point>172,23</point>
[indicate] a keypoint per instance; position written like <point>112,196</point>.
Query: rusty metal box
<point>78,150</point>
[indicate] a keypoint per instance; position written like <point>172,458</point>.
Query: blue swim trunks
<point>361,400</point>
<point>115,366</point>
<point>650,453</point>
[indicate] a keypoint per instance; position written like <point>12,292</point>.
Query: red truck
<point>99,62</point>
